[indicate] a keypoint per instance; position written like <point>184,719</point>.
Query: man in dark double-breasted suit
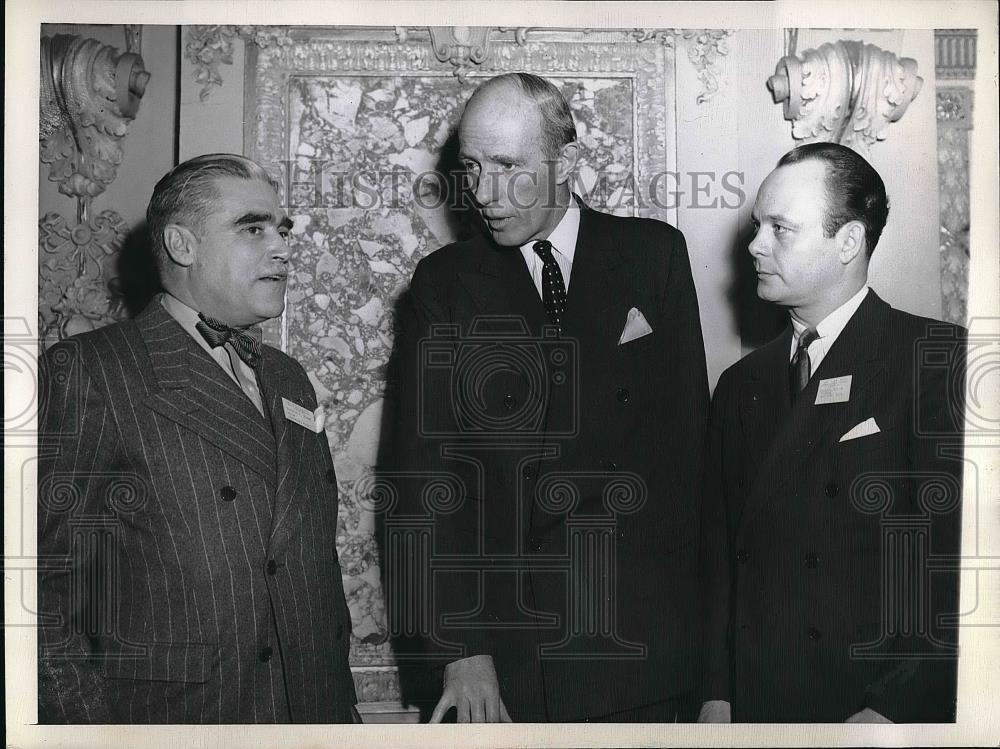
<point>833,485</point>
<point>187,496</point>
<point>553,380</point>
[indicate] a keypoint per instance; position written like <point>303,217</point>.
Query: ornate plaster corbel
<point>90,93</point>
<point>846,92</point>
<point>208,47</point>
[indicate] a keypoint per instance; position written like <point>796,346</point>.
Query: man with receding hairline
<point>214,594</point>
<point>826,603</point>
<point>556,625</point>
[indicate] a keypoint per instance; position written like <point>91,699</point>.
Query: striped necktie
<point>800,370</point>
<point>246,343</point>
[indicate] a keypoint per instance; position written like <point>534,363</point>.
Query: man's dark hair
<point>854,190</point>
<point>187,194</point>
<point>557,119</point>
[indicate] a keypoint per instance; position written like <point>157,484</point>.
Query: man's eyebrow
<point>262,218</point>
<point>778,218</point>
<point>504,158</point>
<point>253,218</point>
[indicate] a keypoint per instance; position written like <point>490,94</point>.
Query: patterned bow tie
<point>245,342</point>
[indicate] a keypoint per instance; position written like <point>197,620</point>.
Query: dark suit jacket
<point>575,466</point>
<point>828,562</point>
<point>190,571</point>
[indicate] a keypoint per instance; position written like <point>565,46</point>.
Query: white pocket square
<point>866,427</point>
<point>635,327</point>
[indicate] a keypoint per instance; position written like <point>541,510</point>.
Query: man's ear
<point>566,164</point>
<point>181,244</point>
<point>851,241</point>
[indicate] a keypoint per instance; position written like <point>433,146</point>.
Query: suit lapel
<point>292,452</point>
<point>501,285</point>
<point>808,427</point>
<point>764,402</point>
<point>595,281</point>
<point>192,390</point>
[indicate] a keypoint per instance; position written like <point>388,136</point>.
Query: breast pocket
<point>870,450</point>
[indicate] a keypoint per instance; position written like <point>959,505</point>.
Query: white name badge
<point>311,420</point>
<point>834,390</point>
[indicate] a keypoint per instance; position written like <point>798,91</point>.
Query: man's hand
<point>471,687</point>
<point>715,711</point>
<point>868,716</point>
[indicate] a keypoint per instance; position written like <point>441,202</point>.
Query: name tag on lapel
<point>311,420</point>
<point>834,390</point>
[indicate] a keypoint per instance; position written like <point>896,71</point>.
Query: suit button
<point>331,475</point>
<point>623,395</point>
<point>509,402</point>
<point>610,466</point>
<point>812,561</point>
<point>814,634</point>
<point>340,631</point>
<point>272,567</point>
<point>832,490</point>
<point>265,654</point>
<point>742,556</point>
<point>227,493</point>
<point>528,472</point>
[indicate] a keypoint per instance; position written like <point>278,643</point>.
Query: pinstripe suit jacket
<point>189,571</point>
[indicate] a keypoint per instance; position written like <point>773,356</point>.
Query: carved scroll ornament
<point>90,92</point>
<point>845,92</point>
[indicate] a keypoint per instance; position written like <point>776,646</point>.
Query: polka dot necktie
<point>800,370</point>
<point>553,288</point>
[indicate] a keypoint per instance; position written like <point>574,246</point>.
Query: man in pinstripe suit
<point>187,496</point>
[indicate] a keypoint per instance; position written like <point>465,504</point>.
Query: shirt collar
<point>563,237</point>
<point>186,316</point>
<point>831,326</point>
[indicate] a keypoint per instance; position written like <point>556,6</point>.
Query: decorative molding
<point>376,684</point>
<point>466,49</point>
<point>955,53</point>
<point>954,107</point>
<point>953,189</point>
<point>90,92</point>
<point>705,47</point>
<point>845,92</point>
<point>208,47</point>
<point>74,295</point>
<point>462,46</point>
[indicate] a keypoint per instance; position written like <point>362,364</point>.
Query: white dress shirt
<point>237,369</point>
<point>829,329</point>
<point>563,241</point>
